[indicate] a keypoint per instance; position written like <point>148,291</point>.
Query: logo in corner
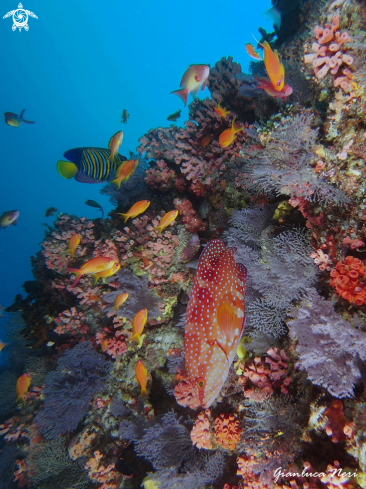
<point>20,18</point>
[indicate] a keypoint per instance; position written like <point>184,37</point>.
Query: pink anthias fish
<point>9,218</point>
<point>215,319</point>
<point>267,86</point>
<point>196,76</point>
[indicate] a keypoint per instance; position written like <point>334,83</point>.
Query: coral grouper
<point>215,319</point>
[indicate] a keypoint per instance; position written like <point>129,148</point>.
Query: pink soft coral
<point>328,54</point>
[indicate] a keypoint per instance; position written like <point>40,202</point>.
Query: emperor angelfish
<point>89,165</point>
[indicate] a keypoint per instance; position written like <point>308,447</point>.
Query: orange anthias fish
<point>138,325</point>
<point>252,52</point>
<point>2,345</point>
<point>141,376</point>
<point>274,67</point>
<point>124,171</point>
<point>228,136</point>
<point>106,273</point>
<point>220,111</point>
<point>168,218</point>
<point>73,244</point>
<point>206,141</point>
<point>136,209</point>
<point>215,319</point>
<point>195,77</point>
<point>91,267</point>
<point>120,300</point>
<point>22,386</point>
<point>114,144</point>
<point>267,86</point>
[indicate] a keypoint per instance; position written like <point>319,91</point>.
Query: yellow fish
<point>167,219</point>
<point>124,171</point>
<point>73,244</point>
<point>228,136</point>
<point>114,144</point>
<point>141,376</point>
<point>252,52</point>
<point>2,345</point>
<point>91,267</point>
<point>138,325</point>
<point>274,67</point>
<point>221,111</point>
<point>120,300</point>
<point>22,386</point>
<point>105,274</point>
<point>136,209</point>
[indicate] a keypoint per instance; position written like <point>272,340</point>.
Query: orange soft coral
<point>200,433</point>
<point>348,279</point>
<point>227,431</point>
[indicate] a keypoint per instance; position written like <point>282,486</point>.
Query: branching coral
<point>195,148</point>
<point>147,252</point>
<point>161,177</point>
<point>71,322</point>
<point>55,246</point>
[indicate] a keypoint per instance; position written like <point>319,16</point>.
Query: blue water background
<point>74,71</point>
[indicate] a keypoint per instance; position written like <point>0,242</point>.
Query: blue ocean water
<point>74,71</point>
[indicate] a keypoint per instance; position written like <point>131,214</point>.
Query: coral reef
<point>288,195</point>
<point>279,267</point>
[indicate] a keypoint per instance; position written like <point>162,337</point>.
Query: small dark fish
<point>279,9</point>
<point>93,203</point>
<point>265,37</point>
<point>15,120</point>
<point>125,116</point>
<point>50,211</point>
<point>175,116</point>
